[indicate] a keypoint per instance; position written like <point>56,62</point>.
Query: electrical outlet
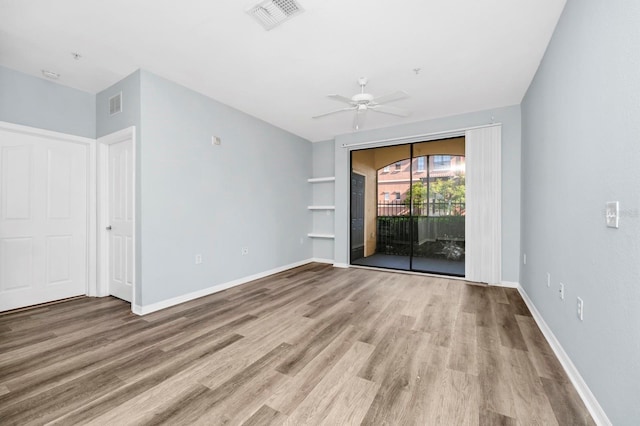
<point>198,259</point>
<point>548,279</point>
<point>580,307</point>
<point>245,251</point>
<point>612,212</point>
<point>561,291</point>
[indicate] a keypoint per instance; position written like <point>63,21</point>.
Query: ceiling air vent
<point>272,13</point>
<point>115,104</point>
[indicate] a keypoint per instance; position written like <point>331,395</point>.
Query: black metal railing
<point>431,208</point>
<point>429,234</point>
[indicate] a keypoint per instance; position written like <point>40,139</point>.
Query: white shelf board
<point>322,207</point>
<point>314,235</point>
<point>322,179</point>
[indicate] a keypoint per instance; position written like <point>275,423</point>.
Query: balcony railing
<point>431,208</point>
<point>396,230</point>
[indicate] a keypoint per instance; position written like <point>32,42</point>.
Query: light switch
<point>612,214</point>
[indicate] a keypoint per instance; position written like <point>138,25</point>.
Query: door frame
<point>129,133</point>
<point>364,206</point>
<point>91,277</point>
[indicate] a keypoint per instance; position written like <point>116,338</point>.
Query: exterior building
<point>394,180</point>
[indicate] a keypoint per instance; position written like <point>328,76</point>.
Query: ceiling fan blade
<point>386,109</point>
<point>341,98</point>
<point>358,119</point>
<point>391,97</point>
<point>334,112</point>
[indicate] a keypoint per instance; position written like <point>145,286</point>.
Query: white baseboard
<point>320,260</point>
<point>147,309</point>
<point>507,284</point>
<point>590,401</point>
<point>340,265</point>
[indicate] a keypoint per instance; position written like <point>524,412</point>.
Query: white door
<point>120,221</point>
<point>43,219</point>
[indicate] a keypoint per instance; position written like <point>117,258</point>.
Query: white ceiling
<point>473,54</point>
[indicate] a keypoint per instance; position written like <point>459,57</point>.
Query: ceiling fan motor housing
<point>362,98</point>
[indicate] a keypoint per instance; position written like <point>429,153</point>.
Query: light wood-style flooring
<point>313,345</point>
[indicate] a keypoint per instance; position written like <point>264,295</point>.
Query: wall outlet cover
<point>612,214</point>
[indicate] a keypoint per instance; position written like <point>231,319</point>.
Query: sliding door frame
<point>426,137</point>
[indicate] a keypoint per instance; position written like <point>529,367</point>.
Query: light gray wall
<point>35,102</point>
<point>251,191</point>
<point>581,148</point>
<point>130,115</point>
<point>107,124</point>
<point>511,133</point>
<point>323,194</point>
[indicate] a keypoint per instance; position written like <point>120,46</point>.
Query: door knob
<point>108,228</point>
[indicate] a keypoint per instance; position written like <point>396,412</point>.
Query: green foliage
<point>452,189</point>
<point>418,195</point>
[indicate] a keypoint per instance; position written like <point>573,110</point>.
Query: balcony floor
<point>420,264</point>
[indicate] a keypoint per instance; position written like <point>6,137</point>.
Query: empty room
<point>305,212</point>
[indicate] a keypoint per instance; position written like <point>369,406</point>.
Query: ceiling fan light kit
<point>363,102</point>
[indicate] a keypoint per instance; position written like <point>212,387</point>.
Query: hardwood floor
<point>314,345</point>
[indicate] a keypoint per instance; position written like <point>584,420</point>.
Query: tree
<point>452,189</point>
<point>418,197</point>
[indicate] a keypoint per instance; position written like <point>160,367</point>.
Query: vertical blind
<point>483,210</point>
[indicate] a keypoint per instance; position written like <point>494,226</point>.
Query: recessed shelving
<point>315,235</point>
<point>321,207</point>
<point>323,235</point>
<point>322,179</point>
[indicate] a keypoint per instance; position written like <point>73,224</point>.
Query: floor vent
<point>272,13</point>
<point>115,104</point>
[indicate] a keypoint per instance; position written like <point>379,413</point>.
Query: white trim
<point>590,401</point>
<point>422,137</point>
<point>18,128</point>
<point>320,260</point>
<point>321,179</point>
<point>506,284</point>
<point>144,310</point>
<point>341,265</point>
<point>102,284</point>
<point>92,221</point>
<point>90,284</point>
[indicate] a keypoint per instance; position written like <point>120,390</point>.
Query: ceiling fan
<point>363,102</point>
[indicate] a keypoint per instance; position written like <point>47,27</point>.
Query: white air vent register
<point>271,13</point>
<point>115,104</point>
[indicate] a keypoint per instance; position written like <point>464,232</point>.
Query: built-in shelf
<point>322,179</point>
<point>323,237</point>
<point>322,207</point>
<point>328,236</point>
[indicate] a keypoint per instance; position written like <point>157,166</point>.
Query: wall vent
<point>272,13</point>
<point>115,104</point>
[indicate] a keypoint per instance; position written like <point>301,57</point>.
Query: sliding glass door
<point>438,215</point>
<point>418,222</point>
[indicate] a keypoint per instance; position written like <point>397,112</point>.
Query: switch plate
<point>245,251</point>
<point>580,307</point>
<point>198,259</point>
<point>215,140</point>
<point>561,291</point>
<point>612,214</point>
<point>548,279</point>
